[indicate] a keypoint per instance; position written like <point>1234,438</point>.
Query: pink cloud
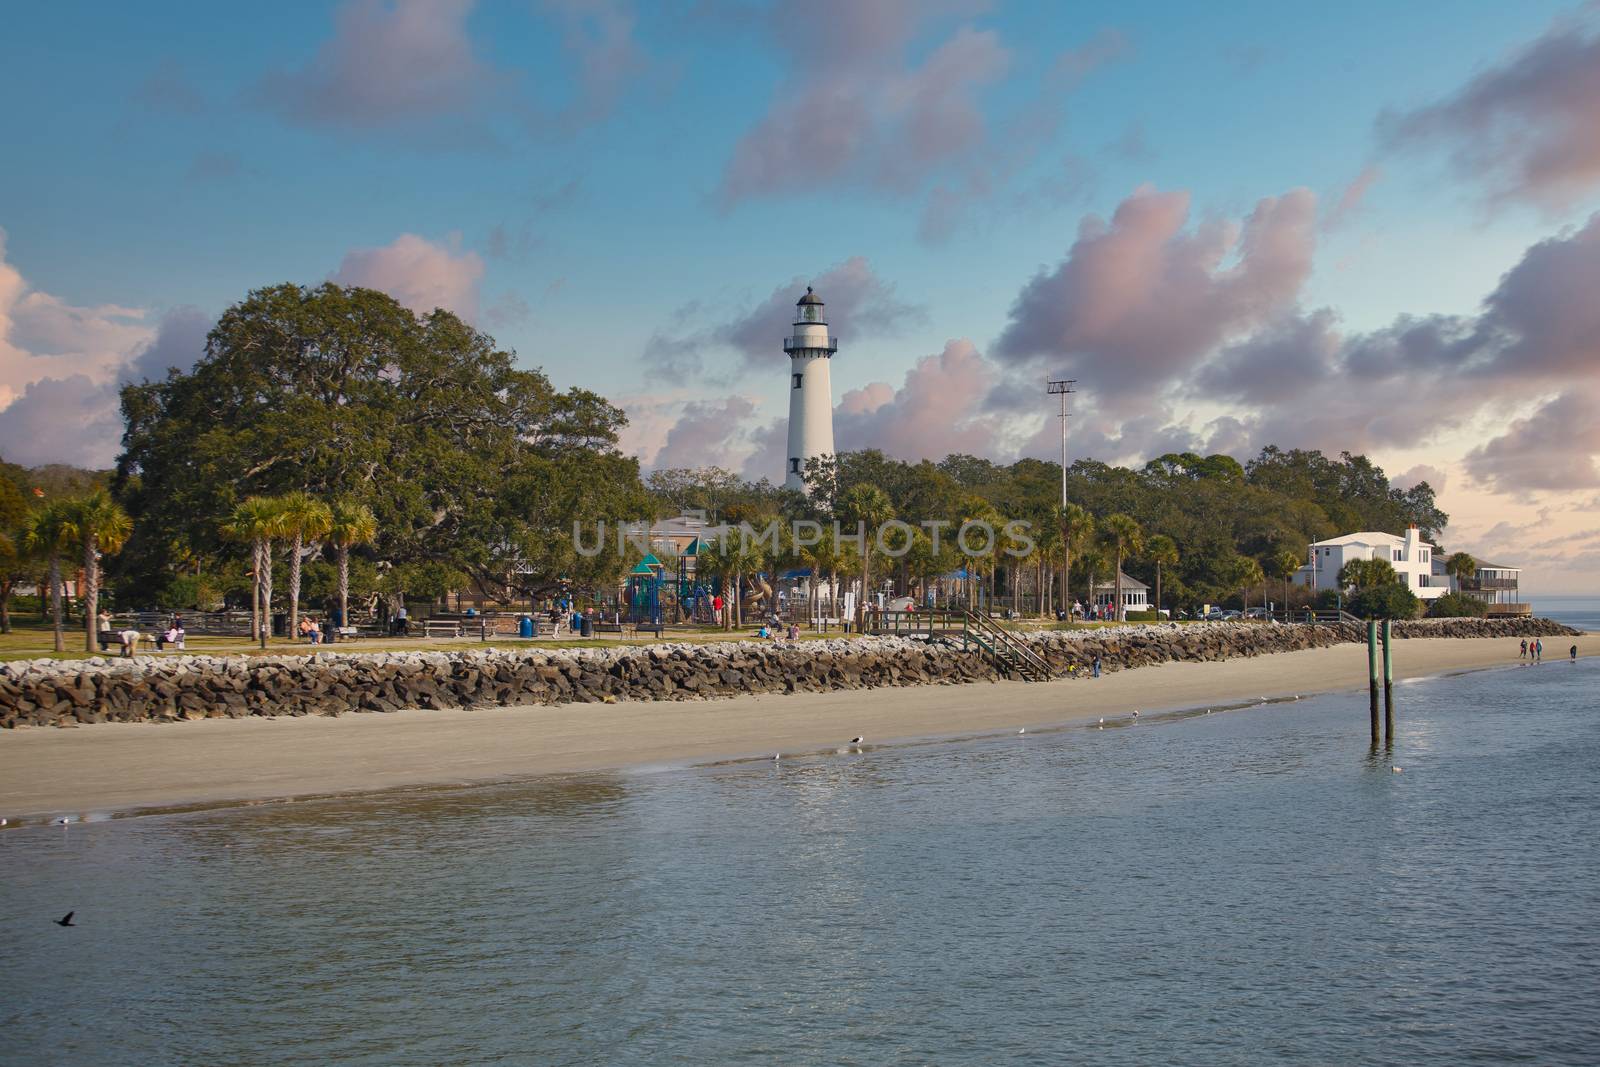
<point>386,65</point>
<point>859,108</point>
<point>1139,301</point>
<point>859,304</point>
<point>417,272</point>
<point>1555,448</point>
<point>938,409</point>
<point>1526,125</point>
<point>706,434</point>
<point>1351,197</point>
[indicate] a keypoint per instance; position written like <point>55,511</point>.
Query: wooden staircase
<point>1001,647</point>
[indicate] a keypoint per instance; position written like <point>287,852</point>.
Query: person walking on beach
<point>1096,669</point>
<point>1538,650</point>
<point>1524,653</point>
<point>1573,652</point>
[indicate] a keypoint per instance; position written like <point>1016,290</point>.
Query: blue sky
<point>622,193</point>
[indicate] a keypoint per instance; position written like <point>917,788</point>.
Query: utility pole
<point>1063,388</point>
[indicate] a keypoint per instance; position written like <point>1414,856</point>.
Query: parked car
<point>1230,615</point>
<point>1256,613</point>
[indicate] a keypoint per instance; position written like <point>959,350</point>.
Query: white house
<point>1135,594</point>
<point>1411,557</point>
<point>1496,584</point>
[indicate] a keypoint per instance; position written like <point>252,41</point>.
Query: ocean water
<point>1255,886</point>
<point>1581,612</point>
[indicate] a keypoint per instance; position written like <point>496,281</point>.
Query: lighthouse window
<point>811,313</point>
<point>794,465</point>
<point>797,381</point>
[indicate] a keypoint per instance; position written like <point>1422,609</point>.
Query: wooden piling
<point>1372,673</point>
<point>1388,681</point>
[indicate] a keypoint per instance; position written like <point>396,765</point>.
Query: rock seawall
<point>51,692</point>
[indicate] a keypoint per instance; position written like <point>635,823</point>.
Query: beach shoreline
<point>123,768</point>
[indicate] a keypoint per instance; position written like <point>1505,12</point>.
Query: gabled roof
<point>1128,582</point>
<point>1366,537</point>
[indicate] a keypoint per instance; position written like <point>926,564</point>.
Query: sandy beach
<point>125,767</point>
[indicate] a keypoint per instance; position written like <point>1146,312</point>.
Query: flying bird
<point>65,920</point>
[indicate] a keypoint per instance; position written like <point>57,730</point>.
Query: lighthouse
<point>809,348</point>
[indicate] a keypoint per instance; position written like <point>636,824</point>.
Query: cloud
<point>1139,300</point>
<point>938,408</point>
<point>74,420</point>
<point>420,274</point>
<point>43,336</point>
<point>860,110</point>
<point>1554,448</point>
<point>598,35</point>
<point>706,433</point>
<point>1542,319</point>
<point>859,304</point>
<point>1436,478</point>
<point>214,167</point>
<point>1351,197</point>
<point>387,65</point>
<point>73,415</point>
<point>1526,125</point>
<point>168,89</point>
<point>876,109</point>
<point>411,67</point>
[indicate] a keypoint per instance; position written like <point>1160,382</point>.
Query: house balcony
<point>1487,585</point>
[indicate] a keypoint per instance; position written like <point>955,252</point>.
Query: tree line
<point>330,441</point>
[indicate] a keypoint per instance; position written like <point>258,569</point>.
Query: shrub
<point>1457,606</point>
<point>1392,601</point>
<point>1143,616</point>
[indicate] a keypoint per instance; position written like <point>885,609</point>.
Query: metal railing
<point>999,644</point>
<point>796,344</point>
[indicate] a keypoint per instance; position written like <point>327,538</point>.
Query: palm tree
<point>95,523</point>
<point>350,524</point>
<point>1367,573</point>
<point>304,518</point>
<point>730,559</point>
<point>1243,572</point>
<point>1286,564</point>
<point>1122,537</point>
<point>1461,566</point>
<point>1163,552</point>
<point>48,533</point>
<point>257,520</point>
<point>867,507</point>
<point>978,510</point>
<point>1077,529</point>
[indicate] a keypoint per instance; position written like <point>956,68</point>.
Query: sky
<point>1367,227</point>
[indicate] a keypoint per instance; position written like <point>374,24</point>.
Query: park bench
<point>608,628</point>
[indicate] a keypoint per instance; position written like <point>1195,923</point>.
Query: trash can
<point>525,626</point>
<point>588,627</point>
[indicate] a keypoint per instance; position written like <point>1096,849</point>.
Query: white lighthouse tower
<point>810,391</point>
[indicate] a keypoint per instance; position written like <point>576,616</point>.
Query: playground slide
<point>756,597</point>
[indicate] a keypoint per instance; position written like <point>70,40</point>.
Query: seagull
<point>1397,770</point>
<point>1022,731</point>
<point>857,740</point>
<point>65,920</point>
<point>777,756</point>
<point>63,820</point>
<point>1135,713</point>
<point>1102,722</point>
